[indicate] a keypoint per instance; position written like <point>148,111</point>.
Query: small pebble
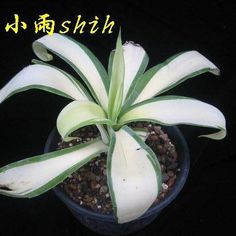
<point>164,186</point>
<point>164,137</point>
<point>171,181</point>
<point>165,177</point>
<point>170,173</point>
<point>154,138</point>
<point>87,198</point>
<point>93,184</point>
<point>162,195</point>
<point>163,168</point>
<point>173,166</point>
<point>99,206</point>
<point>157,129</point>
<point>70,144</point>
<point>103,189</point>
<point>97,178</point>
<point>161,149</point>
<point>98,186</point>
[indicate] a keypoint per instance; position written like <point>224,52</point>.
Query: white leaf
<point>134,175</point>
<point>45,78</point>
<point>170,73</point>
<point>135,59</point>
<point>173,110</point>
<point>78,114</point>
<point>36,175</point>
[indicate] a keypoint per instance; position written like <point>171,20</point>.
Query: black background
<point>207,202</point>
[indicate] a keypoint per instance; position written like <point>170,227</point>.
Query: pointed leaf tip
<point>117,81</point>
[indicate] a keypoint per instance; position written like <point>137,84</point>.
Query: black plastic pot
<point>105,224</point>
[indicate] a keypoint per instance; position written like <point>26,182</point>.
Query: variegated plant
<point>110,100</point>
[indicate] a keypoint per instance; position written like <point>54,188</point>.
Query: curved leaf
<point>136,61</point>
<point>169,74</point>
<point>80,58</point>
<point>103,133</point>
<point>134,175</point>
<point>45,78</point>
<point>78,114</point>
<point>174,110</point>
<point>33,176</point>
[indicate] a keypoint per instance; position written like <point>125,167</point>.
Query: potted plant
<point>111,101</point>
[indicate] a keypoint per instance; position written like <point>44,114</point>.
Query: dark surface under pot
<point>105,224</point>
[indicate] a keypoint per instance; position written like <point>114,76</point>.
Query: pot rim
<point>182,148</point>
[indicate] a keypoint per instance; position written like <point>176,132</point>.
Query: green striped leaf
<point>110,62</point>
<point>46,78</point>
<point>169,74</point>
<point>134,175</point>
<point>174,110</point>
<point>78,114</point>
<point>117,82</point>
<point>82,60</point>
<point>33,176</point>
